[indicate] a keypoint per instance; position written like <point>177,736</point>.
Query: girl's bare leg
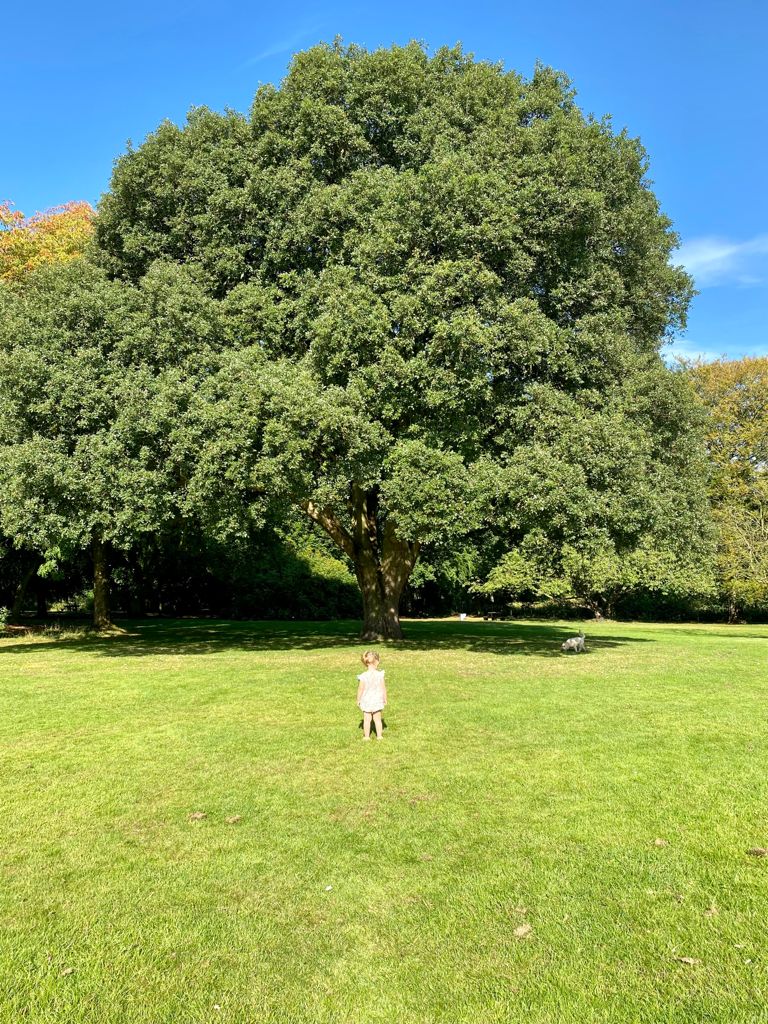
<point>377,723</point>
<point>366,725</point>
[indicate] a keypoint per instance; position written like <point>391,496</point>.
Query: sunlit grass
<point>372,882</point>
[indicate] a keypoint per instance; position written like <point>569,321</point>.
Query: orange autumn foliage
<point>53,236</point>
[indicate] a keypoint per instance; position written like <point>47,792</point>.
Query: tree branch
<point>325,518</point>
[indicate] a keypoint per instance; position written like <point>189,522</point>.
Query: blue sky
<point>79,80</point>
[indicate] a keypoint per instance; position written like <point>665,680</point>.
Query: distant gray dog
<point>575,644</point>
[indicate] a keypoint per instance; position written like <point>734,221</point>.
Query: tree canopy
<point>53,236</point>
<point>429,296</point>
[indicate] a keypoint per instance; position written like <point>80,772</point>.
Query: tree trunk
<point>21,592</point>
<point>381,604</point>
<point>101,619</point>
<point>383,561</point>
<point>595,607</point>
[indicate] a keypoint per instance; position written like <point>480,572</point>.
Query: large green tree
<point>414,255</point>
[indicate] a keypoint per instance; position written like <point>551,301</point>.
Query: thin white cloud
<point>689,352</point>
<point>718,261</point>
<point>286,45</point>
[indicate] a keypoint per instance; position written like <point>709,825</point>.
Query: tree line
<point>395,335</point>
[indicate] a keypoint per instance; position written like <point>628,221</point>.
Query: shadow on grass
<point>205,637</point>
<point>718,631</point>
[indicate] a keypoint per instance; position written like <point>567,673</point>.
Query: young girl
<point>371,694</point>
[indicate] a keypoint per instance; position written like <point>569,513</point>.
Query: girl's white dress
<point>372,697</point>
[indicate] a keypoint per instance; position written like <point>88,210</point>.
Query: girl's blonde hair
<point>371,658</point>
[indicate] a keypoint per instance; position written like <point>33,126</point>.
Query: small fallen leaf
<point>758,851</point>
<point>521,910</point>
<point>65,971</point>
<point>680,898</point>
<point>328,888</point>
<point>711,911</point>
<point>523,931</point>
<point>216,1006</point>
<point>660,842</point>
<point>197,816</point>
<point>234,818</point>
<point>690,960</point>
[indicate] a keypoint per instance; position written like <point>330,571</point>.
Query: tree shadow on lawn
<point>718,631</point>
<point>148,638</point>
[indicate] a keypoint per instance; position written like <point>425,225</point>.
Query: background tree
<point>412,253</point>
<point>26,243</point>
<point>615,502</point>
<point>18,569</point>
<point>81,432</point>
<point>735,396</point>
<point>53,236</point>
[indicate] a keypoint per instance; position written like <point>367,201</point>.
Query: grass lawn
<point>517,790</point>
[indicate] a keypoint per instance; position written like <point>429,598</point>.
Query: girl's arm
<point>360,689</point>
